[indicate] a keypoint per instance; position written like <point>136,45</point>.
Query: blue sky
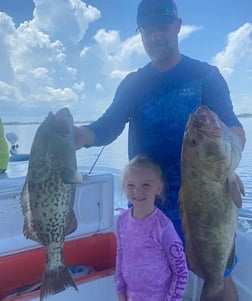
<point>74,53</point>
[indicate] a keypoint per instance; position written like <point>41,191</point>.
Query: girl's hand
<point>122,297</point>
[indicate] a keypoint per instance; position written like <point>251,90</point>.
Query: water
<point>244,170</point>
<point>114,156</point>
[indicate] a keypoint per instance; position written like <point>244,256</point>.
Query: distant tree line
<point>244,115</point>
<point>38,122</point>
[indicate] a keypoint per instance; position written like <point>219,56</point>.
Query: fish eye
<point>194,142</point>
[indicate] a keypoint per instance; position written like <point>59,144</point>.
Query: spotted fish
<point>210,196</point>
<point>48,196</point>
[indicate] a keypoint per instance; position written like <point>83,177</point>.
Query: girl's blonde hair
<point>143,162</point>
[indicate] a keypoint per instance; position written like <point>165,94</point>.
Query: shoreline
<point>244,115</point>
<point>38,122</point>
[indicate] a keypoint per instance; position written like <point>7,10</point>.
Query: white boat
<point>92,244</point>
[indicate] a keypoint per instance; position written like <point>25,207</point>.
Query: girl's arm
<point>120,283</point>
<point>177,261</point>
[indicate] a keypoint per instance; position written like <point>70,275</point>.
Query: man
<point>157,100</point>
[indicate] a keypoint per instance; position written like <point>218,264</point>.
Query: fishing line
<point>92,167</point>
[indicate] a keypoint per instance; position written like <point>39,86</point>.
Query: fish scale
<point>48,196</point>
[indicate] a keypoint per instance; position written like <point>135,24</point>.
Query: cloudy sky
<point>74,53</point>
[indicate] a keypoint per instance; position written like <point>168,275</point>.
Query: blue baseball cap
<point>156,11</point>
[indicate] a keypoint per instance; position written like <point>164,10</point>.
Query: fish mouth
<point>61,121</point>
<point>206,121</point>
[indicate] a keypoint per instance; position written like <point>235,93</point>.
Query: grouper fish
<point>209,197</point>
<point>48,196</point>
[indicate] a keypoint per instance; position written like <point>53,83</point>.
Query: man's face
<point>160,40</point>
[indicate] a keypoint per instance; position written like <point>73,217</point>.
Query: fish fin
<point>70,176</point>
<point>236,188</point>
<point>56,281</point>
<point>28,230</point>
<point>24,198</point>
<point>72,223</point>
<point>212,292</point>
<point>241,186</point>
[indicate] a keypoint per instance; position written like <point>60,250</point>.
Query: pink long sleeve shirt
<point>151,264</point>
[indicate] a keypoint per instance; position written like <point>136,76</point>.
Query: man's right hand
<point>84,137</point>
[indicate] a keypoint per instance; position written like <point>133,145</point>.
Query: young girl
<point>151,264</point>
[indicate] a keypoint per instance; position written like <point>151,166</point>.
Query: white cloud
<point>6,91</point>
<point>242,102</point>
<point>63,20</point>
<point>118,74</point>
<point>7,31</point>
<point>99,87</point>
<point>131,46</point>
<point>35,71</point>
<point>109,42</point>
<point>79,86</point>
<point>238,50</point>
<point>62,95</point>
<point>235,63</point>
<point>84,51</point>
<point>187,30</point>
<point>40,73</point>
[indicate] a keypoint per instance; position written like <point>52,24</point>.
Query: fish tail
<point>55,281</point>
<point>211,292</point>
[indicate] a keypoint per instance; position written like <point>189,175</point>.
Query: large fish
<point>210,196</point>
<point>48,196</point>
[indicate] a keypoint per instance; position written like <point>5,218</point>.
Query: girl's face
<point>141,186</point>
